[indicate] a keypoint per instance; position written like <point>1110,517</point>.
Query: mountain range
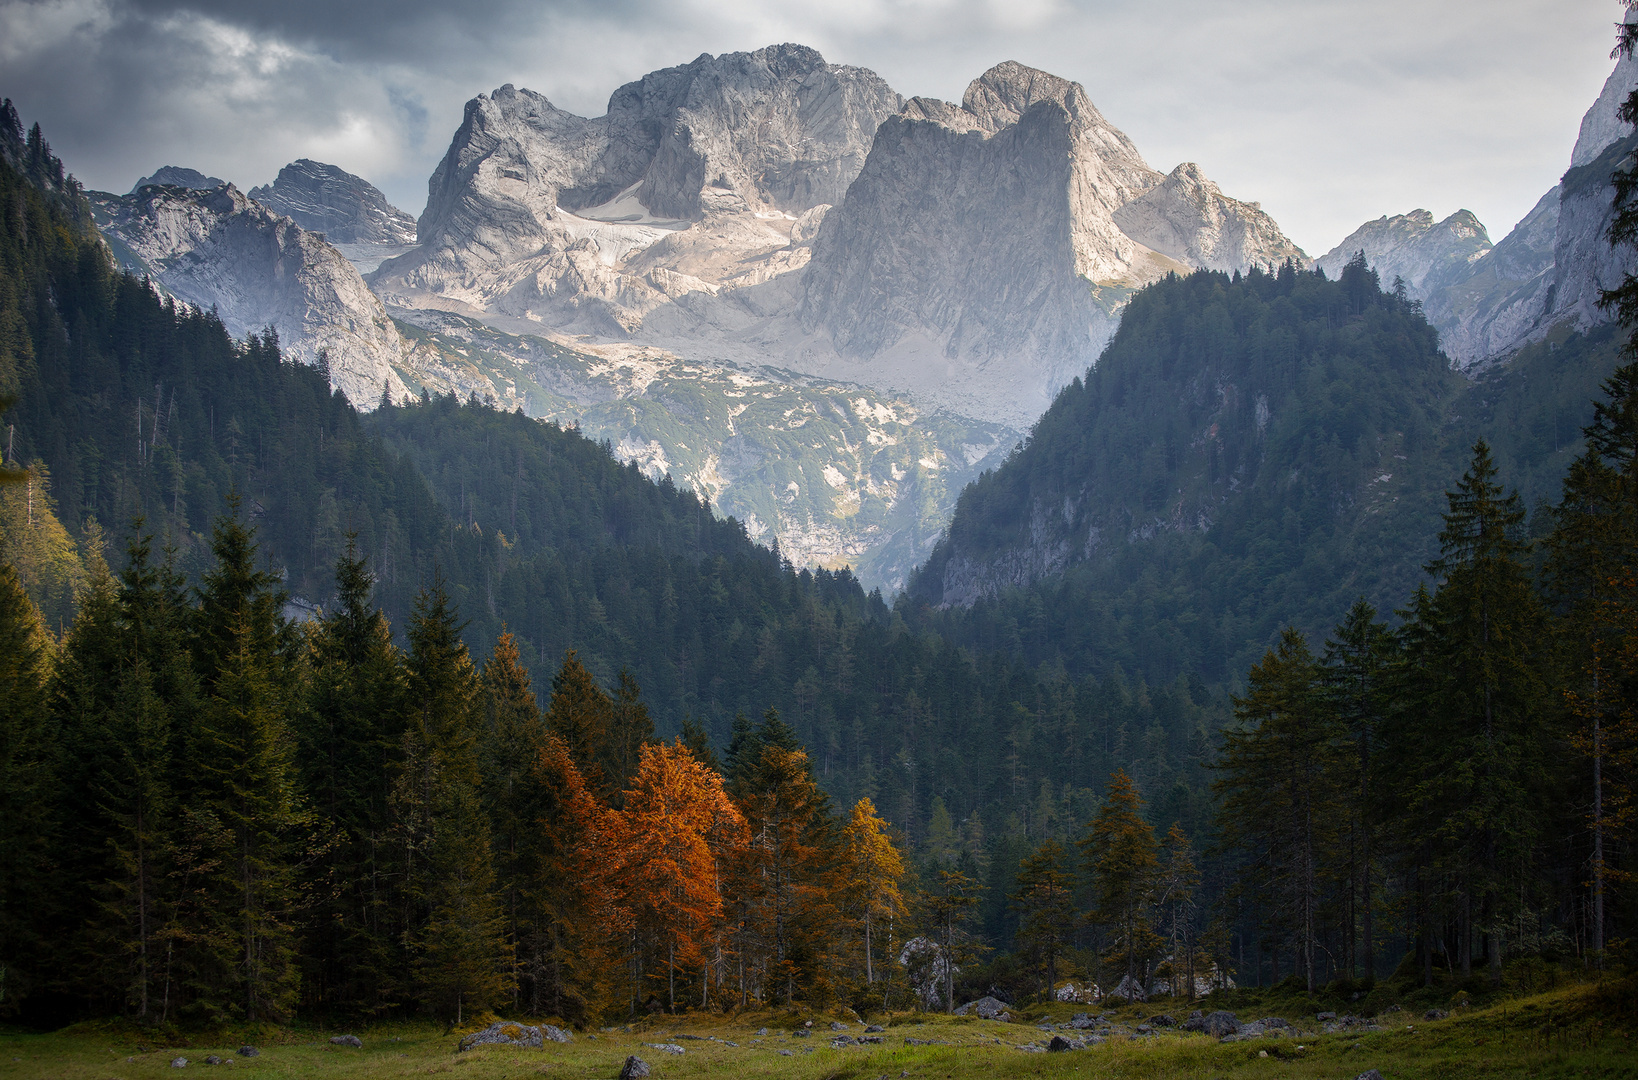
<point>769,218</point>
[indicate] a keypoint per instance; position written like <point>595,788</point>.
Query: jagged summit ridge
<point>178,176</point>
<point>533,209</point>
<point>220,249</point>
<point>325,198</point>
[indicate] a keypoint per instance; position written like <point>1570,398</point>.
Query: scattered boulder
<point>347,1040</point>
<point>985,1008</point>
<point>249,1051</point>
<point>869,1039</point>
<point>213,1060</point>
<point>836,1025</point>
<point>761,1031</point>
<point>840,1041</point>
<point>1369,1074</point>
<point>670,1048</point>
<point>635,1068</point>
<point>179,1063</point>
<point>875,1028</point>
<point>1059,1044</point>
<point>1435,1014</point>
<point>1162,1020</point>
<point>1271,1022</point>
<point>507,1033</point>
<point>1324,1016</point>
<point>1129,990</point>
<point>1217,1024</point>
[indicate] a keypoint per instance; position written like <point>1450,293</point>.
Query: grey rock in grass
<point>249,1051</point>
<point>635,1068</point>
<point>1059,1044</point>
<point>1369,1074</point>
<point>179,1063</point>
<point>506,1033</point>
<point>346,1040</point>
<point>213,1060</point>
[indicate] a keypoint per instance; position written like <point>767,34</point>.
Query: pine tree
<point>582,715</point>
<point>451,919</point>
<point>946,908</point>
<point>1356,664</point>
<point>28,793</point>
<point>1122,863</point>
<point>1279,786</point>
<point>244,815</point>
<point>514,736</point>
<point>1492,651</point>
<point>1043,901</point>
<point>347,733</point>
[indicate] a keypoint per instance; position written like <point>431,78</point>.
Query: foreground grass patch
<point>1577,1032</point>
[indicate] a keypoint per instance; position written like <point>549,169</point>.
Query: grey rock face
<point>984,251</point>
<point>219,249</point>
<point>177,176</point>
<point>1426,254</point>
<point>535,211</point>
<point>1187,218</point>
<point>347,209</point>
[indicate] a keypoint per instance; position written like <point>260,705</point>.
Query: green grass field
<point>1580,1031</point>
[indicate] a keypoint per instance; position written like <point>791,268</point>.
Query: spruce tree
<point>245,816</point>
<point>28,793</point>
<point>1122,863</point>
<point>1356,665</point>
<point>630,729</point>
<point>348,733</point>
<point>581,714</point>
<point>1043,901</point>
<point>1493,651</point>
<point>514,737</point>
<point>452,922</point>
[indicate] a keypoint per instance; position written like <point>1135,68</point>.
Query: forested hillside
<point>1249,452</point>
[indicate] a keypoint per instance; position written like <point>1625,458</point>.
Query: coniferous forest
<point>546,738</point>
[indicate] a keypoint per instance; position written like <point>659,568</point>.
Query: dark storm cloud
<point>1328,111</point>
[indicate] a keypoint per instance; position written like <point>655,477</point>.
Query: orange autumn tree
<point>665,860</point>
<point>567,953</point>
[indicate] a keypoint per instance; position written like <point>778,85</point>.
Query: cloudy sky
<point>1330,112</point>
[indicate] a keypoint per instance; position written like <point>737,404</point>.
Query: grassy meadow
<point>1583,1030</point>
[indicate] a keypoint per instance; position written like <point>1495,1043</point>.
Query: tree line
<point>1456,790</point>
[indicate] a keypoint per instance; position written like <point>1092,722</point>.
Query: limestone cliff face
<point>1189,219</point>
<point>178,176</point>
<point>702,168</point>
<point>347,209</point>
<point>984,252</point>
<point>219,249</point>
<point>1425,254</point>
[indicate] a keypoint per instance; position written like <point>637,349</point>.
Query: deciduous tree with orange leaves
<point>666,854</point>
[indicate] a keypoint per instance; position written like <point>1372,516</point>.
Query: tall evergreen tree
<point>1122,862</point>
<point>1492,702</point>
<point>452,922</point>
<point>28,794</point>
<point>514,737</point>
<point>1046,915</point>
<point>582,715</point>
<point>245,818</point>
<point>347,734</point>
<point>1356,667</point>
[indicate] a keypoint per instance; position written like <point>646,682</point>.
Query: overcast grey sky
<point>1330,112</point>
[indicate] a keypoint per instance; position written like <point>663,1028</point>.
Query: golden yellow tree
<point>873,868</point>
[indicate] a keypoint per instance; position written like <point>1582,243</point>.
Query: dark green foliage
<point>28,794</point>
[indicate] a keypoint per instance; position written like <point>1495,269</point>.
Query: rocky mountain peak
<point>218,249</point>
<point>348,209</point>
<point>177,176</point>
